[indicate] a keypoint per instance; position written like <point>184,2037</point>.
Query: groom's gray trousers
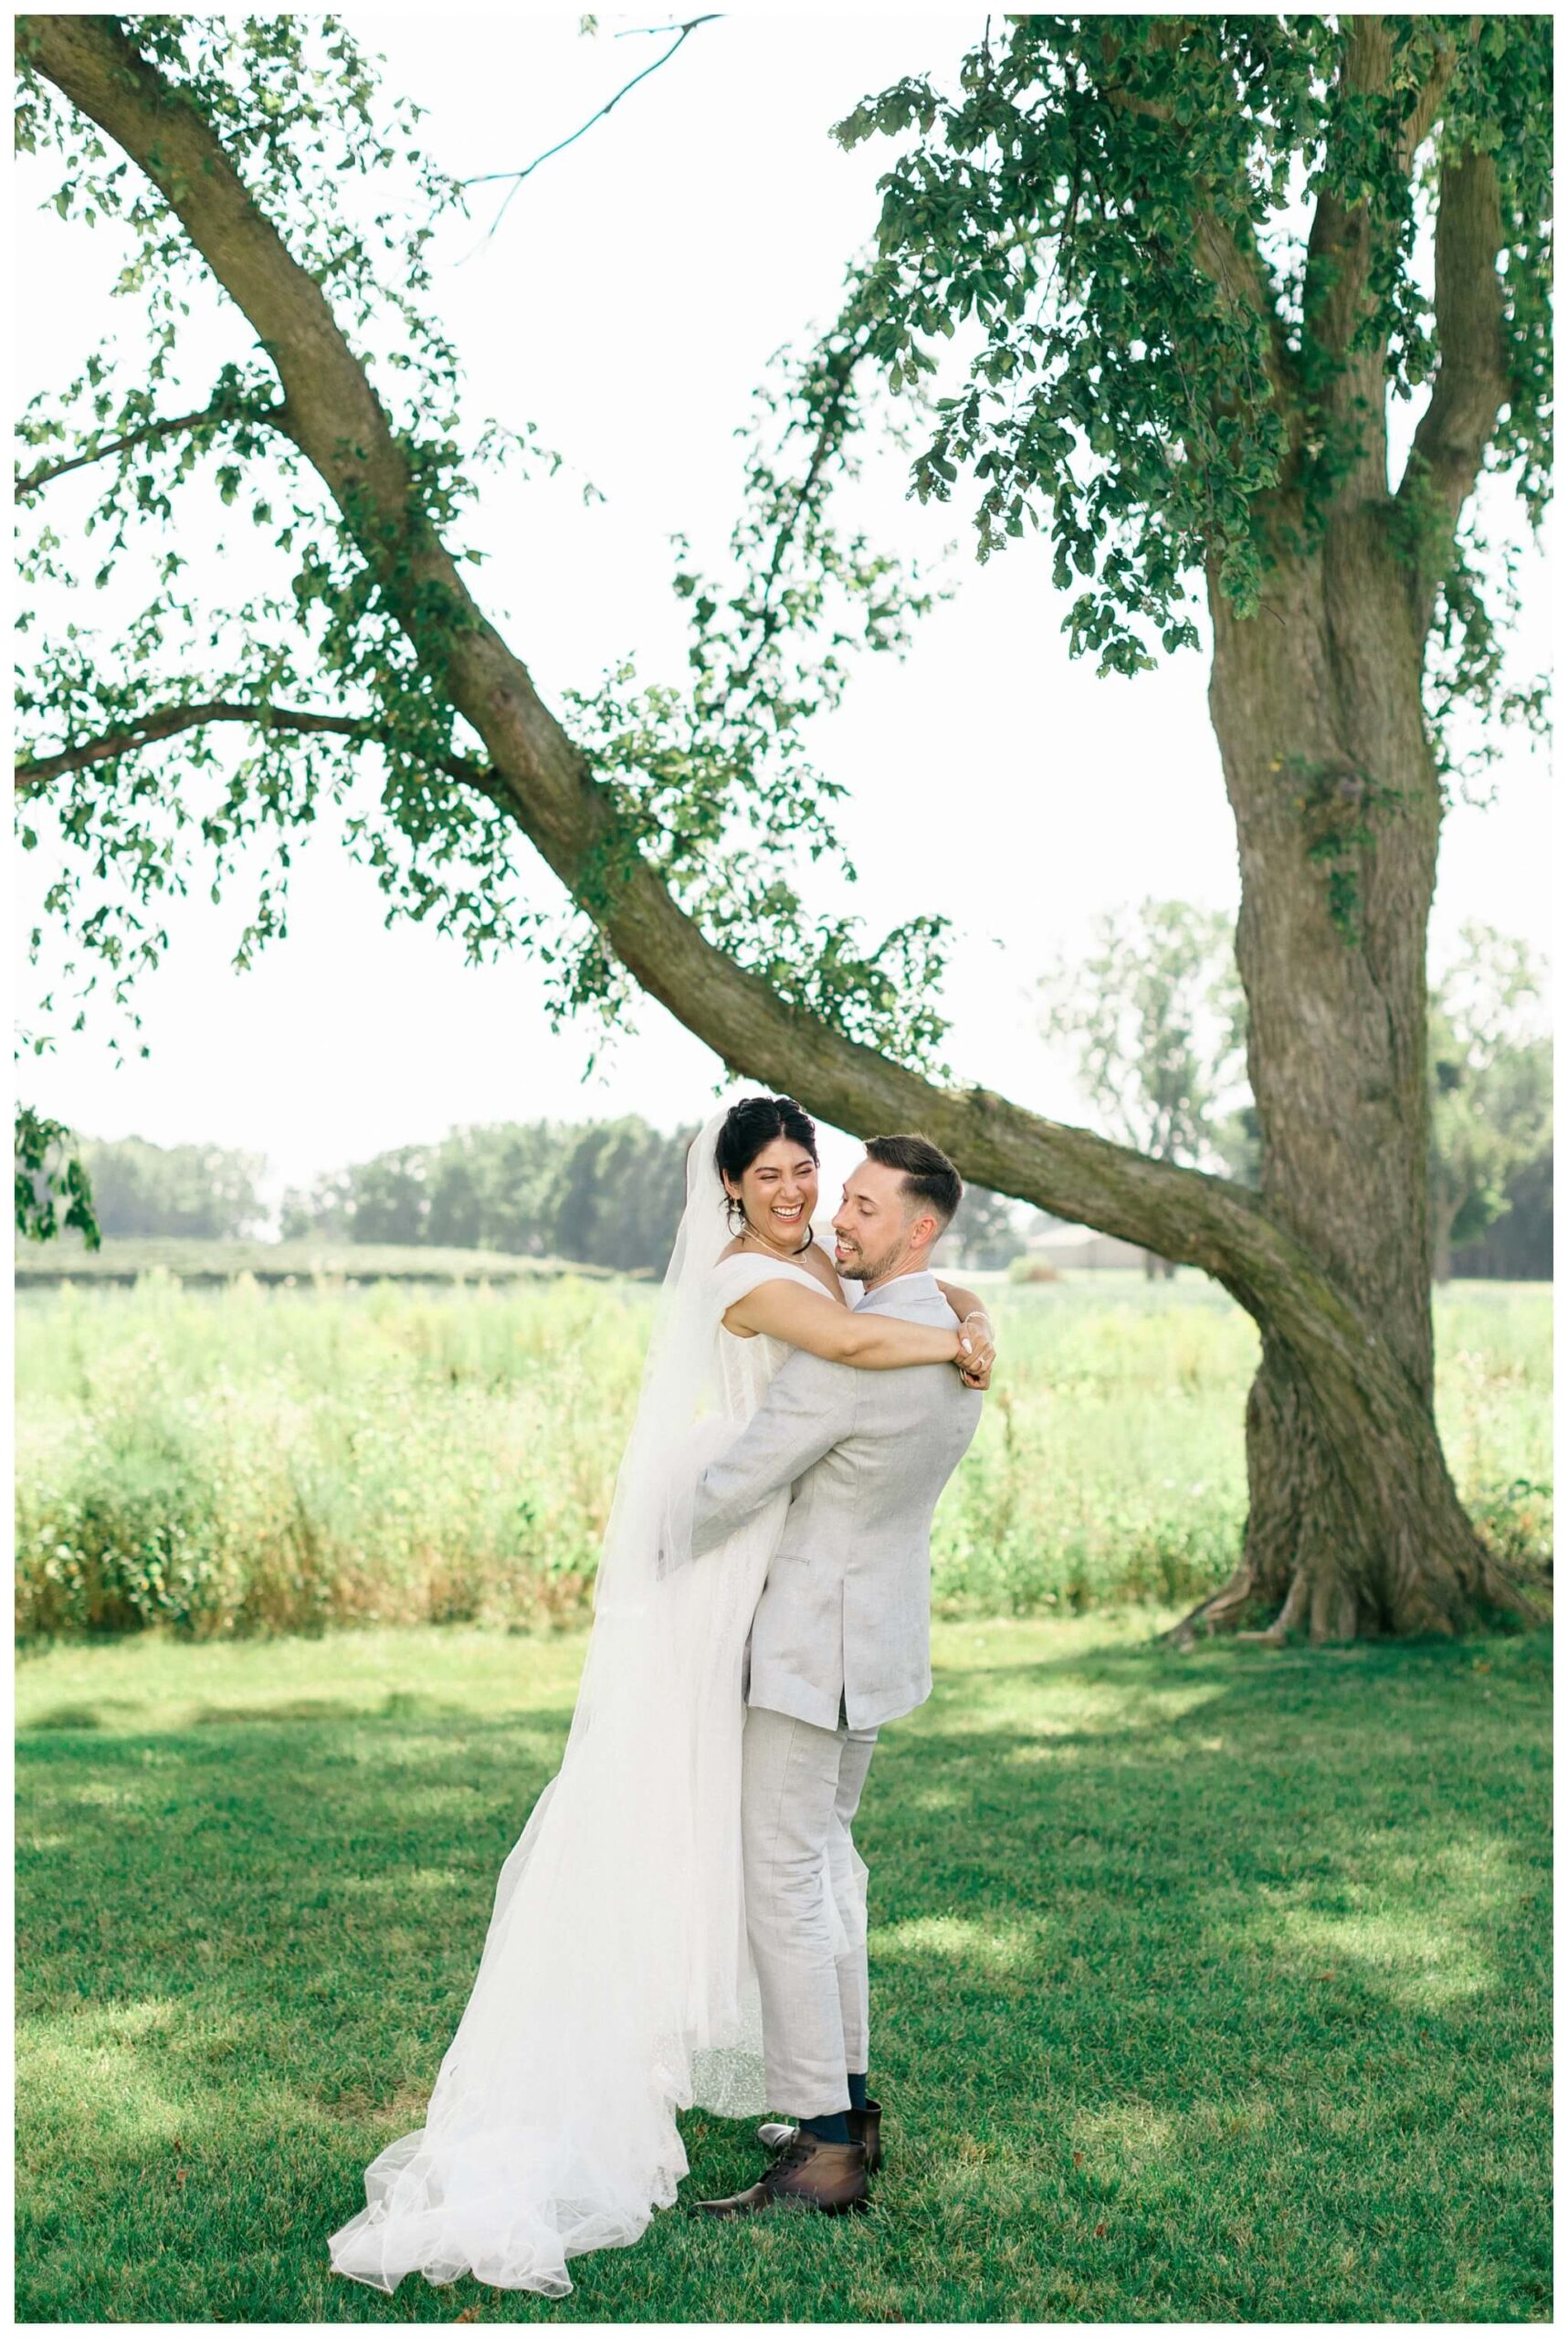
<point>843,1626</point>
<point>800,1788</point>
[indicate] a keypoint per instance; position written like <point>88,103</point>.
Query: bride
<point>614,1987</point>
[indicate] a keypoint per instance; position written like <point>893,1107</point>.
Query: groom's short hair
<point>929,1176</point>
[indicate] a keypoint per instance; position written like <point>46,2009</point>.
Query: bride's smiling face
<point>778,1191</point>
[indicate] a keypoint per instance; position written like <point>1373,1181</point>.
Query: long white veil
<point>680,1388</point>
<point>614,1985</point>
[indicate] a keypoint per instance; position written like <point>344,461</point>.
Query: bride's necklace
<point>798,1252</point>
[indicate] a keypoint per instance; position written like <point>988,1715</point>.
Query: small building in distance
<point>1070,1247</point>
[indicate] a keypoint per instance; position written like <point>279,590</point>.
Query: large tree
<point>1104,209</point>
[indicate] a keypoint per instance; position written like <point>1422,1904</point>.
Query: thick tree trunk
<point>1317,705</point>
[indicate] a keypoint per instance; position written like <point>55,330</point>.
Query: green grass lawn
<point>1210,1985</point>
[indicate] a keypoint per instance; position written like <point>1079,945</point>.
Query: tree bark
<point>1317,705</point>
<point>1355,1523</point>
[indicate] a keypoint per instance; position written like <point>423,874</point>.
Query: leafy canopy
<point>1114,211</point>
<point>714,783</point>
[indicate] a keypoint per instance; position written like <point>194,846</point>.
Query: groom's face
<point>875,1232</point>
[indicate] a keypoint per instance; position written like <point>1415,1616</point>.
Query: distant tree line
<point>605,1194</point>
<point>989,1230</point>
<point>1156,1020</point>
<point>201,1190</point>
<point>608,1193</point>
<point>1517,1246</point>
<point>1490,1066</point>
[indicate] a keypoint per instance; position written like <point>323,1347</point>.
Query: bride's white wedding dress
<point>616,1985</point>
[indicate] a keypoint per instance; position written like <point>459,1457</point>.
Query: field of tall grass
<point>244,1458</point>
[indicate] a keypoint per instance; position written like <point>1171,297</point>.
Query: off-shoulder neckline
<point>775,1265</point>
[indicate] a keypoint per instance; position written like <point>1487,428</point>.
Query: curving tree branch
<point>1239,275</point>
<point>1461,415</point>
<point>1341,250</point>
<point>31,481</point>
<point>1234,269</point>
<point>167,722</point>
<point>492,178</point>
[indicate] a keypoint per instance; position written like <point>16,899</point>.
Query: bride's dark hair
<point>750,1127</point>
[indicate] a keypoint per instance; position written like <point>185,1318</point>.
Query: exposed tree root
<point>1326,1602</point>
<point>1339,1546</point>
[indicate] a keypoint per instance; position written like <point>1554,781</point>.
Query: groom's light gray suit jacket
<point>847,1604</point>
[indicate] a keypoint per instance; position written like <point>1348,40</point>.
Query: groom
<point>840,1643</point>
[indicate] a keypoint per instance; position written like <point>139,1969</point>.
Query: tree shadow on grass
<point>398,1704</point>
<point>1229,2001</point>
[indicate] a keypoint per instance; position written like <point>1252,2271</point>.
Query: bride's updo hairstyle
<point>750,1127</point>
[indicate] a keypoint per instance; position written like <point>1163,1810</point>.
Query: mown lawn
<point>1206,1986</point>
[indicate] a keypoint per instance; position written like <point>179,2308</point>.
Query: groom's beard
<point>862,1269</point>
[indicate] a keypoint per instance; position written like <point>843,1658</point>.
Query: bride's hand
<point>974,1363</point>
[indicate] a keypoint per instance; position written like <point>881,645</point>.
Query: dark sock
<point>858,2090</point>
<point>832,2129</point>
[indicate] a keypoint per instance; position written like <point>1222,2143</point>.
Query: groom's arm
<point>809,1407</point>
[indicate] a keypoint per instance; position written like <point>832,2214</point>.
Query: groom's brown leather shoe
<point>829,2176</point>
<point>865,2127</point>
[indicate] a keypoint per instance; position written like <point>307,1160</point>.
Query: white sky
<point>627,307</point>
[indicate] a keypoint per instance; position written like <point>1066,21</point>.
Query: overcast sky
<point>627,306</point>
